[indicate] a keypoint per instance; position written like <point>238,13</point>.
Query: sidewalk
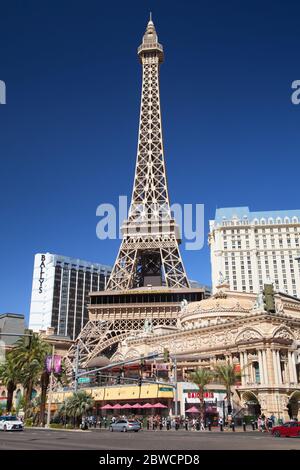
<point>213,430</point>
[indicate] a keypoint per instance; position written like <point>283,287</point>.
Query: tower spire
<point>149,250</point>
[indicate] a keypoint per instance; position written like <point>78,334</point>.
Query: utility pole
<point>76,367</point>
<point>175,383</point>
<point>50,388</point>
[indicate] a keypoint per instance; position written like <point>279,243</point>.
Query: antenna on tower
<point>150,16</point>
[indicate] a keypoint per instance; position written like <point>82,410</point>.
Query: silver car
<point>124,425</point>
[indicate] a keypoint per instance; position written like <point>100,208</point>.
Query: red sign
<point>197,395</point>
<point>237,370</point>
<point>162,367</point>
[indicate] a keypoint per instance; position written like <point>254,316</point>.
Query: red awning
<point>193,409</point>
<point>106,407</point>
<point>159,405</point>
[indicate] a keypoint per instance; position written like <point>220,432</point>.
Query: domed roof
<point>219,304</point>
<point>222,303</point>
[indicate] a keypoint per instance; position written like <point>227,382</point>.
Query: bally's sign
<point>42,272</point>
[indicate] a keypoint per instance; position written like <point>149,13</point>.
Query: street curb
<point>56,429</point>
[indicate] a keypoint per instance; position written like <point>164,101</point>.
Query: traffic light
<point>118,379</point>
<point>166,355</point>
<point>140,381</point>
<point>143,362</point>
<point>98,377</point>
<point>268,298</point>
<point>28,339</point>
<point>73,375</point>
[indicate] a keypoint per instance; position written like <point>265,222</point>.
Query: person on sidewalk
<point>169,423</point>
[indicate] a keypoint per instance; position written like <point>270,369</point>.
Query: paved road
<point>150,440</point>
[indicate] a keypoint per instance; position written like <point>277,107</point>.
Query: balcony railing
<point>153,46</point>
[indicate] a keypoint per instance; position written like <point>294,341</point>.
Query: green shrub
<point>69,426</point>
<point>28,422</point>
<point>248,419</point>
<point>56,426</point>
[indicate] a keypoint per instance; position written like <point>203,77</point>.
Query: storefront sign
<point>197,395</point>
<point>162,366</point>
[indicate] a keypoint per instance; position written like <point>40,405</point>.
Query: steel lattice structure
<point>149,249</point>
<point>100,337</point>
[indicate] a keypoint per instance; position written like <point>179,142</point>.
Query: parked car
<point>124,425</point>
<point>11,423</point>
<point>290,429</point>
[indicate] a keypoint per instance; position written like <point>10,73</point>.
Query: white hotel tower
<point>60,292</point>
<point>250,248</point>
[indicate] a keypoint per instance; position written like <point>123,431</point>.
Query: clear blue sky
<point>68,132</point>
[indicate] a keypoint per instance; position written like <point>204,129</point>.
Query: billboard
<point>53,364</point>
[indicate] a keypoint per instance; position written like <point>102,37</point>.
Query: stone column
<point>275,368</point>
<point>261,369</point>
<point>245,357</point>
<point>294,367</point>
<point>278,368</point>
<point>243,372</point>
<point>270,367</point>
<point>264,358</point>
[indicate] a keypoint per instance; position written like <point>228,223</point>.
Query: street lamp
<point>50,388</point>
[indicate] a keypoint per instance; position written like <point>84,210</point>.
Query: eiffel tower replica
<point>149,251</point>
<point>148,281</point>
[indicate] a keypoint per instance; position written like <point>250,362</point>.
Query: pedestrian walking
<point>221,424</point>
<point>259,424</point>
<point>168,423</point>
<point>186,424</point>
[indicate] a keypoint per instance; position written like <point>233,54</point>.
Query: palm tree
<point>20,403</point>
<point>228,376</point>
<point>9,377</point>
<point>201,377</point>
<point>30,360</point>
<point>78,405</point>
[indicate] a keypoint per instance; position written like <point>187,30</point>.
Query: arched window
<point>286,220</point>
<point>278,220</point>
<point>295,220</point>
<point>271,221</point>
<point>263,221</point>
<point>255,221</point>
